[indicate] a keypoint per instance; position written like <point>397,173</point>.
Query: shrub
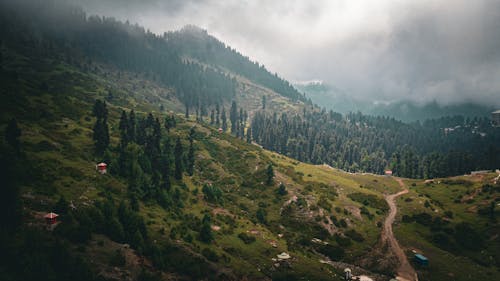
<point>354,235</point>
<point>335,253</point>
<point>247,239</point>
<point>210,255</point>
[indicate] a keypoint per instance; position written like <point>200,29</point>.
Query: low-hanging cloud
<point>388,50</point>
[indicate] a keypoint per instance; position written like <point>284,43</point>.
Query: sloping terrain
<point>183,201</point>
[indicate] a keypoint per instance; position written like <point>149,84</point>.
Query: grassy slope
<point>442,195</point>
<point>56,125</point>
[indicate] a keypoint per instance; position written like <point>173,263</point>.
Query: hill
<point>182,200</point>
<point>335,99</point>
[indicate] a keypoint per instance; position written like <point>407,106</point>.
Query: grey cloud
<point>387,50</point>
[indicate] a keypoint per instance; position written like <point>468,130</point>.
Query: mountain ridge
<point>182,200</point>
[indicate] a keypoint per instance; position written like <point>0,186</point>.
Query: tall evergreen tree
<point>217,114</point>
<point>224,120</point>
<point>269,174</point>
<point>212,117</point>
<point>233,117</point>
<point>190,166</point>
<point>131,128</point>
<point>178,159</point>
<point>12,134</point>
<point>123,127</point>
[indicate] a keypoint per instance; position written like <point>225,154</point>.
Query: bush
<point>117,259</point>
<point>247,239</point>
<point>210,255</point>
<point>335,253</point>
<point>354,235</point>
<point>343,241</point>
<point>369,200</point>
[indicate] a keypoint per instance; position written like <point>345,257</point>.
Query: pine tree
<point>233,117</point>
<point>101,135</point>
<point>170,122</point>
<point>131,128</point>
<point>178,159</point>
<point>224,121</point>
<point>263,102</point>
<point>123,127</point>
<point>269,174</point>
<point>212,117</point>
<point>12,134</point>
<point>249,135</point>
<point>217,114</point>
<point>206,234</point>
<point>190,167</point>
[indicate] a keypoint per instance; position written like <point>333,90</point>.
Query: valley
<point>164,159</point>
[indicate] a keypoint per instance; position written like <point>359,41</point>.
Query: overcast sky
<point>383,50</point>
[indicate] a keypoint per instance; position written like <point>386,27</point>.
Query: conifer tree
<point>233,117</point>
<point>190,166</point>
<point>178,159</point>
<point>131,128</point>
<point>217,114</point>
<point>12,134</point>
<point>249,135</point>
<point>212,117</point>
<point>269,174</point>
<point>123,127</point>
<point>224,121</point>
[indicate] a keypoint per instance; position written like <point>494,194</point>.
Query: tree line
<point>59,30</point>
<point>356,142</point>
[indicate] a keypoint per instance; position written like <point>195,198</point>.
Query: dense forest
<point>196,43</point>
<point>82,40</point>
<point>356,142</point>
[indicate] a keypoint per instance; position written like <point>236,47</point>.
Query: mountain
<point>182,200</point>
<point>333,98</point>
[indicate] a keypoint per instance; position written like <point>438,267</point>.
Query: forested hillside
<point>183,200</point>
<point>196,43</point>
<point>355,142</point>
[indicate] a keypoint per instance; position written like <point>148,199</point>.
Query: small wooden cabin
<point>420,259</point>
<point>102,168</point>
<point>51,218</point>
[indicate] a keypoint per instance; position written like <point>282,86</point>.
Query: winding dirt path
<point>405,270</point>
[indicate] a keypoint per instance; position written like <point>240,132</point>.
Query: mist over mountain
<point>382,51</point>
<point>335,99</point>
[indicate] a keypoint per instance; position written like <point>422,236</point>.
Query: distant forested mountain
<point>198,44</point>
<point>335,99</point>
<point>202,72</point>
<point>51,28</point>
<point>356,142</point>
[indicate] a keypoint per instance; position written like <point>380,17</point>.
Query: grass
<point>57,139</point>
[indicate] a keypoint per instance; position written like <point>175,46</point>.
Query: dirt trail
<point>405,270</point>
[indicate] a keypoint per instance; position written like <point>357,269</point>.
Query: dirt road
<point>405,270</point>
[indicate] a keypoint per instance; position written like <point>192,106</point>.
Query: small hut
<point>220,130</point>
<point>420,259</point>
<point>388,172</point>
<point>283,256</point>
<point>348,274</point>
<point>102,168</point>
<point>51,218</point>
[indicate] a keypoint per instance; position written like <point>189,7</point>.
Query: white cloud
<point>448,51</point>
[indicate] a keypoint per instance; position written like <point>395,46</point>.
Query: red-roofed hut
<point>102,168</point>
<point>51,218</point>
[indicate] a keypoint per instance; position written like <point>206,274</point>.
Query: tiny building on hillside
<point>220,130</point>
<point>51,218</point>
<point>388,172</point>
<point>420,259</point>
<point>102,168</point>
<point>347,274</point>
